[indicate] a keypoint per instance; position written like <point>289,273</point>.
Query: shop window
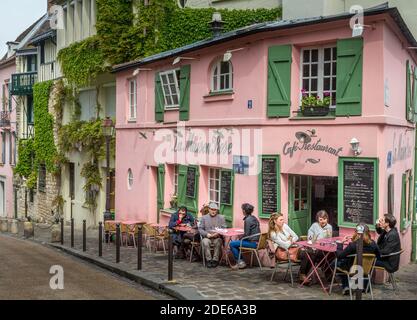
<point>214,185</point>
<point>42,178</point>
<point>318,72</point>
<point>222,77</point>
<point>132,99</point>
<point>170,86</point>
<point>406,200</point>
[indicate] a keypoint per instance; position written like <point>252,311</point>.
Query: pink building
<point>7,137</point>
<point>220,120</point>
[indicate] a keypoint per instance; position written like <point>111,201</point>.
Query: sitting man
<point>206,229</point>
<point>180,218</point>
<point>388,242</point>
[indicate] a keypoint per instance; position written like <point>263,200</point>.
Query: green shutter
<point>279,81</point>
<point>185,93</point>
<point>161,188</point>
<point>159,99</point>
<point>226,209</point>
<point>415,94</point>
<point>410,197</point>
<point>349,77</point>
<point>182,184</point>
<point>403,201</point>
<point>409,113</point>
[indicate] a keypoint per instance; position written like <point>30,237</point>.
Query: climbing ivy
<point>44,144</point>
<point>26,150</point>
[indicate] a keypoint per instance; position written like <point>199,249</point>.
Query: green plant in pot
<point>313,106</point>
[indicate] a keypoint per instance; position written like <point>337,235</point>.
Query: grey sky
<point>16,16</point>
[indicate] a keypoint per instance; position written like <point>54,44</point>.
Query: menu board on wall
<point>358,192</point>
<point>226,187</point>
<point>269,185</point>
<point>191,178</point>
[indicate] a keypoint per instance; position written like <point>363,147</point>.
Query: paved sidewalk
<point>193,281</point>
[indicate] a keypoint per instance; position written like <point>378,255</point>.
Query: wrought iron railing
<point>22,83</point>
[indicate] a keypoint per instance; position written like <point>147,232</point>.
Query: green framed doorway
<point>299,209</point>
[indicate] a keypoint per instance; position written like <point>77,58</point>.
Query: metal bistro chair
<point>390,274</point>
<point>123,233</point>
<point>262,243</point>
<point>149,234</point>
<point>132,233</point>
<point>289,264</point>
<point>368,264</point>
<point>195,247</point>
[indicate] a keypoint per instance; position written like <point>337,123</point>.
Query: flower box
<point>315,111</point>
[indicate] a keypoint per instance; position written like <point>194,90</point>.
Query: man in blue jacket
<point>180,218</point>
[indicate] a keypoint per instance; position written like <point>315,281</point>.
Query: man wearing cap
<point>207,228</point>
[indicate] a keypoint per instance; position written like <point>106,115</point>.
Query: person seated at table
<point>252,231</point>
<point>345,263</point>
<point>207,227</point>
<point>281,235</point>
<point>388,242</point>
<point>319,230</point>
<point>180,218</point>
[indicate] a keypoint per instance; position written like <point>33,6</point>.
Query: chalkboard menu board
<point>191,179</point>
<point>358,192</point>
<point>226,187</point>
<point>269,185</point>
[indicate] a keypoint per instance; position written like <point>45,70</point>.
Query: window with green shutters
<point>188,180</point>
<point>172,91</point>
<point>279,81</point>
<point>349,77</point>
<point>409,112</point>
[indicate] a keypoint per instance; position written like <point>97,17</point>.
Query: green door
<point>299,213</point>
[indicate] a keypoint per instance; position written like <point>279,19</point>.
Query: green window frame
<point>407,197</point>
<point>342,160</point>
<point>260,189</point>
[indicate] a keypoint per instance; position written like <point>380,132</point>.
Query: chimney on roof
<point>217,24</point>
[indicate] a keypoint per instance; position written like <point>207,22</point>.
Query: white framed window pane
<point>175,99</point>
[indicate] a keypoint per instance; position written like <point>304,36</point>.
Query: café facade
<point>222,120</point>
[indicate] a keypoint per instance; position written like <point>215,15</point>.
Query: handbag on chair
<point>282,254</point>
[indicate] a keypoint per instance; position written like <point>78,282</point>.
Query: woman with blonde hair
<point>280,233</point>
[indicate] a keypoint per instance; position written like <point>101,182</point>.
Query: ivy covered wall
<point>159,26</point>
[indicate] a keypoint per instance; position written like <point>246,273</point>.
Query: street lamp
<point>108,132</point>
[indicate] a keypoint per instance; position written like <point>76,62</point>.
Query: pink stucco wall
<point>383,58</point>
<point>6,170</point>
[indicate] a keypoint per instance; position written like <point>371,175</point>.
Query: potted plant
<point>174,202</point>
<point>313,106</point>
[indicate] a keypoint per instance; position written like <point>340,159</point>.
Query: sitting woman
<point>345,263</point>
<point>180,218</point>
<point>280,233</point>
<point>252,231</point>
<point>282,237</point>
<point>318,230</point>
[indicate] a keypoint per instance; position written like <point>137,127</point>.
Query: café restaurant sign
<point>304,143</point>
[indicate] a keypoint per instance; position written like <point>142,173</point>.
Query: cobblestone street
<point>222,282</point>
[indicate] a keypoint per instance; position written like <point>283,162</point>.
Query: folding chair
<point>195,246</point>
<point>289,263</point>
<point>390,274</point>
<point>149,234</point>
<point>262,243</point>
<point>368,264</point>
<point>132,232</point>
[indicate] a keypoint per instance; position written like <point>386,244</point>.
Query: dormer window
<point>170,86</point>
<point>222,76</point>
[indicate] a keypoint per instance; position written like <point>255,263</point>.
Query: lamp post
<point>108,131</point>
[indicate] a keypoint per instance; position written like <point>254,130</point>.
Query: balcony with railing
<point>22,83</point>
<point>4,119</point>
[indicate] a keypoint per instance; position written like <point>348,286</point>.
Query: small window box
<point>315,111</point>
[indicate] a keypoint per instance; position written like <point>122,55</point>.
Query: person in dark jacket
<point>251,227</point>
<point>345,263</point>
<point>180,218</point>
<point>388,242</point>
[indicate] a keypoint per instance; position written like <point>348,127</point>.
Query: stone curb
<point>137,276</point>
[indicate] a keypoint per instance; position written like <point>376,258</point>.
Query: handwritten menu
<point>191,173</point>
<point>226,187</point>
<point>269,186</point>
<point>358,192</point>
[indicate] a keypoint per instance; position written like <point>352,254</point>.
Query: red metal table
<point>228,234</point>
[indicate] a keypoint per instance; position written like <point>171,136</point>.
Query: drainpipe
<point>414,221</point>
